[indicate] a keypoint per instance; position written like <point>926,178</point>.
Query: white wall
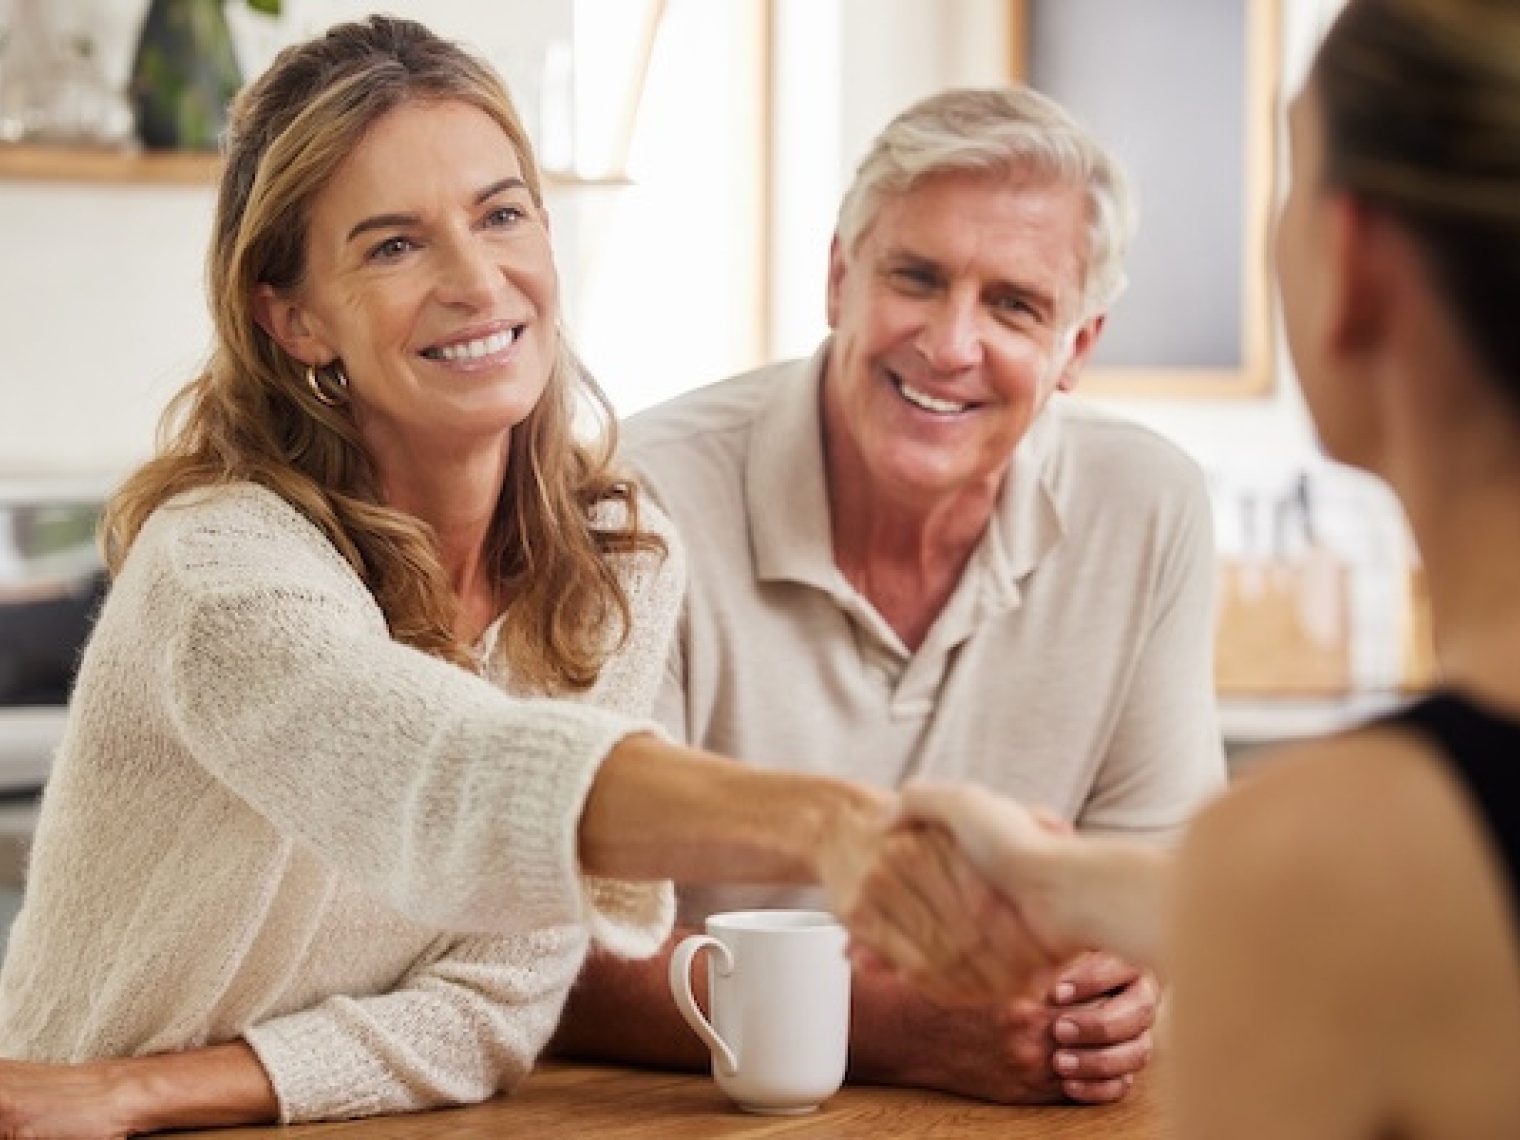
<point>103,317</point>
<point>843,69</point>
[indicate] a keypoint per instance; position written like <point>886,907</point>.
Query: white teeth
<point>927,402</point>
<point>475,349</point>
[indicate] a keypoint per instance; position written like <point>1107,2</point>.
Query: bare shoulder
<point>1357,809</point>
<point>1372,816</point>
<point>1352,884</point>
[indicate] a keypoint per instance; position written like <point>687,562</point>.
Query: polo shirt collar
<point>784,485</point>
<point>789,509</point>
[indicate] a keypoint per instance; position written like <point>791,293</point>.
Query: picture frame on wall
<point>1184,92</point>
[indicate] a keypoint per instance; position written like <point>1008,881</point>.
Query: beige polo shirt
<point>1070,668</point>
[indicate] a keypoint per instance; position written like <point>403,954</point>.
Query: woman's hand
<point>1014,848</point>
<point>923,910</point>
<point>209,1087</point>
<point>1074,894</point>
<point>64,1102</point>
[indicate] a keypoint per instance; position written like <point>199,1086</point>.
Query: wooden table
<point>574,1100</point>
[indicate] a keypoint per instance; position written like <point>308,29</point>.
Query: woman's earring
<point>339,381</point>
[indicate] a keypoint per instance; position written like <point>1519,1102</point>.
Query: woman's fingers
<point>996,833</point>
<point>926,911</point>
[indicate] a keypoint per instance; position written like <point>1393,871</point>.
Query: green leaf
<point>268,7</point>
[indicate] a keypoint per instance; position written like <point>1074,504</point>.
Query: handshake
<point>976,899</point>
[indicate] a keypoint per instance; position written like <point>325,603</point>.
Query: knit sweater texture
<point>269,820</point>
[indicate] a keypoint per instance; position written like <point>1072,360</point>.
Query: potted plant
<point>184,73</point>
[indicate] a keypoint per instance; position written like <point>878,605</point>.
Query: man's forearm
<point>880,1033</point>
<point>621,1010</point>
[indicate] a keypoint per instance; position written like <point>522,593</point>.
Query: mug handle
<point>680,989</point>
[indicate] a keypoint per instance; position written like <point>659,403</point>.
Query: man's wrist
<point>882,1045</point>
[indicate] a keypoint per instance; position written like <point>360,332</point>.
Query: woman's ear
<point>1360,290</point>
<point>287,321</point>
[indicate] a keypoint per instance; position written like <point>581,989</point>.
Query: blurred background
<point>697,151</point>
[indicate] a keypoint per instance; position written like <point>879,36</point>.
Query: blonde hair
<point>1002,131</point>
<point>252,417</point>
<point>1420,101</point>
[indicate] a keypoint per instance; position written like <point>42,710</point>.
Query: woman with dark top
<point>1342,931</point>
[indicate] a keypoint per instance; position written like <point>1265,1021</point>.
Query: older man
<point>910,557</point>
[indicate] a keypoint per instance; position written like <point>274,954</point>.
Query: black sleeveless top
<point>1483,750</point>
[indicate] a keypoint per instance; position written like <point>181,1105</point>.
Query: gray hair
<point>1002,130</point>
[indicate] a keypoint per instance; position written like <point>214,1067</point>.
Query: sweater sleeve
<point>469,1023</point>
<point>453,803</point>
<point>459,1029</point>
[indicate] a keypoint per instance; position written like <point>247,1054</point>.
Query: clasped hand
<point>946,892</point>
<point>959,891</point>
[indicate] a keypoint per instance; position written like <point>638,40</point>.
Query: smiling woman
<point>431,287</point>
<point>347,868</point>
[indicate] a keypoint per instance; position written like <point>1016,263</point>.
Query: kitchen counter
<point>1247,722</point>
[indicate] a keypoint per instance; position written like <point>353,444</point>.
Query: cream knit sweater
<point>267,819</point>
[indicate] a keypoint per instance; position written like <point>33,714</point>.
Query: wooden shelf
<point>169,168</point>
<point>125,167</point>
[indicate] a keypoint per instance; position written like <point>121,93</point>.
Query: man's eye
<point>1013,306</point>
<point>915,280</point>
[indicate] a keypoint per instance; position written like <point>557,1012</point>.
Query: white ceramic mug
<point>779,986</point>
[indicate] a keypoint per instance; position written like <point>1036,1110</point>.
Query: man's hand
<point>899,1036</point>
<point>1009,1052</point>
<point>1103,1010</point>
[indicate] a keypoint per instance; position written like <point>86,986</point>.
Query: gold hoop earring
<point>339,381</point>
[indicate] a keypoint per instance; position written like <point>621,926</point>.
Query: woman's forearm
<point>1102,893</point>
<point>199,1088</point>
<point>657,810</point>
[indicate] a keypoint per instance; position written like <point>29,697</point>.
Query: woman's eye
<point>390,249</point>
<point>505,216</point>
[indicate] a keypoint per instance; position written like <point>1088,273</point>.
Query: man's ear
<point>288,323</point>
<point>837,270</point>
<point>1082,345</point>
